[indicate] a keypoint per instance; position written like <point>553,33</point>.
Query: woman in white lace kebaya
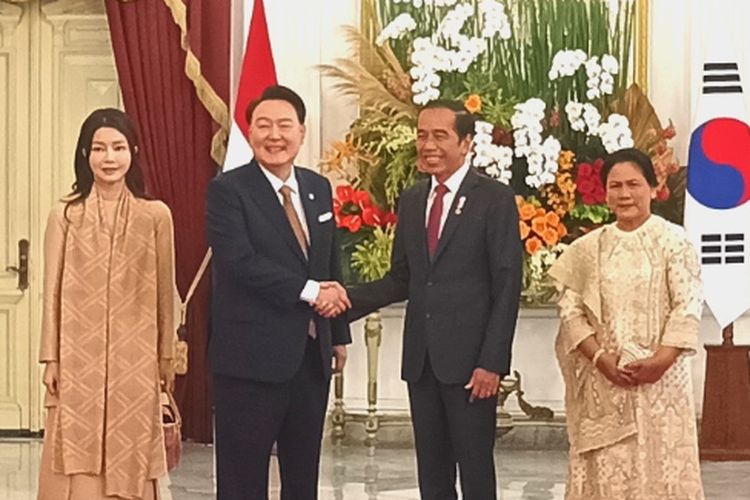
<point>630,312</point>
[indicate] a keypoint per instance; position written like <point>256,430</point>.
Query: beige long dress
<point>108,319</point>
<point>630,288</point>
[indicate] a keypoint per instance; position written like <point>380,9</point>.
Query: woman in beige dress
<point>630,311</point>
<point>107,334</point>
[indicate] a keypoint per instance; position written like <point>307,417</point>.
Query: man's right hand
<point>51,377</point>
<point>332,299</point>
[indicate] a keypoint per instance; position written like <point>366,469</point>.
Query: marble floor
<point>350,473</point>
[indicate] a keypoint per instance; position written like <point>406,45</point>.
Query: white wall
<point>682,35</point>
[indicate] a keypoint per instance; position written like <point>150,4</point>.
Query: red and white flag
<point>258,72</point>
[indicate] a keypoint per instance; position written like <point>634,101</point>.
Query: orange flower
<point>473,103</point>
<point>566,159</point>
<point>520,201</point>
<point>550,236</point>
<point>552,219</point>
<point>524,229</point>
<point>533,244</point>
<point>527,211</point>
<point>562,231</point>
<point>540,212</point>
<point>538,225</point>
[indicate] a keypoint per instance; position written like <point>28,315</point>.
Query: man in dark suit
<point>272,232</point>
<point>457,258</point>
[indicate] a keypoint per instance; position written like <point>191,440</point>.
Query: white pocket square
<point>325,217</point>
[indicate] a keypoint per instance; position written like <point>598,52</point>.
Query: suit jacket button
<point>429,283</point>
<point>427,315</point>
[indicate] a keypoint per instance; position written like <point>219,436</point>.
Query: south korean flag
<point>717,212</point>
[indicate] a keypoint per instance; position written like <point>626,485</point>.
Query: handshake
<point>332,299</point>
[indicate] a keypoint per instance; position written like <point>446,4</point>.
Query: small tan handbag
<point>171,422</point>
<point>180,360</point>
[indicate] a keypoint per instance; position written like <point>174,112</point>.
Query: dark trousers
<point>450,431</point>
<point>251,416</point>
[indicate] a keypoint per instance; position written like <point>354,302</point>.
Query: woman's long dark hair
<point>111,118</point>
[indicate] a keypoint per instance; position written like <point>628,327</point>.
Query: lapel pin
<point>460,206</point>
<point>311,196</point>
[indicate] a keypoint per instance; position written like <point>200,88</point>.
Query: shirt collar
<point>455,180</point>
<point>277,183</point>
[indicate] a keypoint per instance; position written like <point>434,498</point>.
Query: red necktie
<point>433,221</point>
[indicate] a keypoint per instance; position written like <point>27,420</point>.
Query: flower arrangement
<point>366,232</point>
<point>550,82</point>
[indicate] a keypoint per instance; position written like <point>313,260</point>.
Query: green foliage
<point>597,214</point>
<point>372,258</point>
<point>495,107</point>
<point>391,145</point>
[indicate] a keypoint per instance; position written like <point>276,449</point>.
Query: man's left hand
<point>339,358</point>
<point>483,384</point>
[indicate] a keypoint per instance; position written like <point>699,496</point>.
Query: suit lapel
<point>451,223</point>
<point>263,194</point>
<point>310,202</point>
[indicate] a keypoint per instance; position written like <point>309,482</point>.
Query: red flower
<point>351,222</point>
<point>354,208</point>
<point>589,183</point>
<point>390,219</point>
<point>371,216</point>
<point>585,170</point>
<point>585,185</point>
<point>347,194</point>
<point>663,194</point>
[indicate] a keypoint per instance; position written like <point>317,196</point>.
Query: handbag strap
<point>196,280</point>
<point>173,407</point>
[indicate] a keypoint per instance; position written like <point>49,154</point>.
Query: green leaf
<point>372,258</point>
<point>598,214</point>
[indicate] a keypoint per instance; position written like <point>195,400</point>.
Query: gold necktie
<point>299,233</point>
<point>291,214</point>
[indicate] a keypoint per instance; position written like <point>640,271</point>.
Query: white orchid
<point>541,157</point>
<point>615,133</point>
<point>591,117</point>
<point>574,112</point>
<point>599,79</point>
<point>401,25</point>
<point>449,50</point>
<point>610,64</point>
<point>451,25</point>
<point>495,19</point>
<point>566,63</point>
<point>493,159</point>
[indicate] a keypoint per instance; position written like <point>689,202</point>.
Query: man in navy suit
<point>457,258</point>
<point>275,262</point>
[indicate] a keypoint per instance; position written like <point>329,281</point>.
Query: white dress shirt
<point>453,183</point>
<point>312,288</point>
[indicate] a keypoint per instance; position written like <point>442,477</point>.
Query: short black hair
<point>632,155</point>
<point>278,93</point>
<point>465,121</point>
